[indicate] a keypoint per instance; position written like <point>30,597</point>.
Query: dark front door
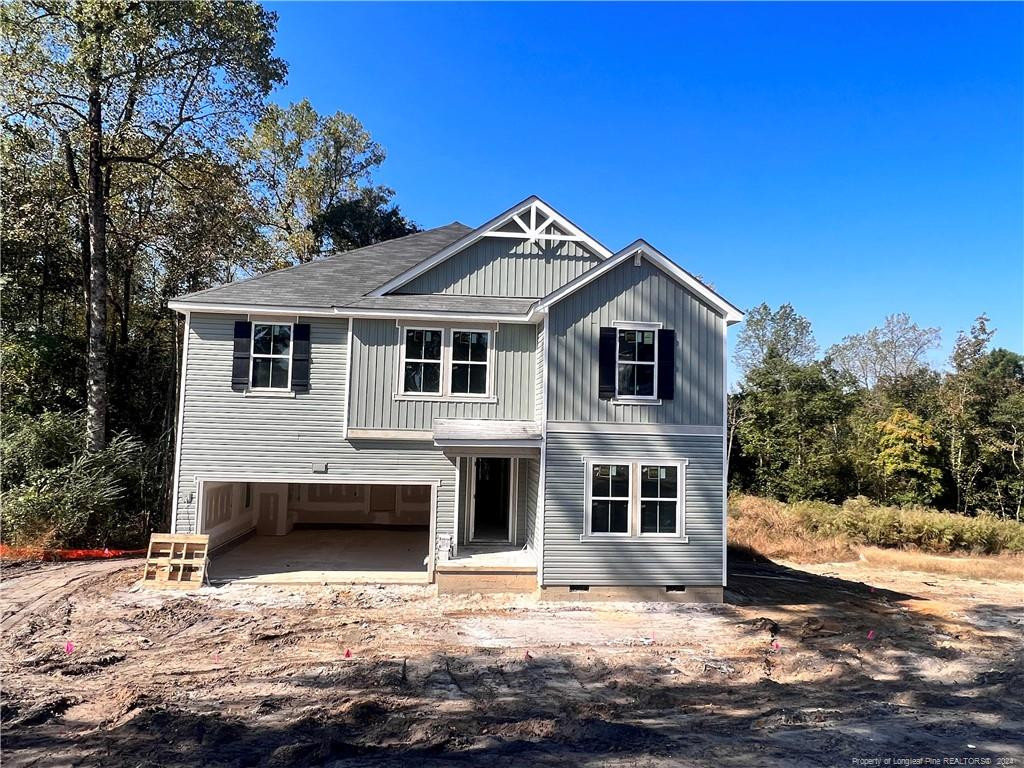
<point>491,499</point>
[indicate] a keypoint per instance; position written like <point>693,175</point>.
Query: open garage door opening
<point>293,533</point>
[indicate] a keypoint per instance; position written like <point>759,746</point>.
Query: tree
<point>907,459</point>
<point>888,354</point>
<point>369,218</point>
<point>308,171</point>
<point>780,334</point>
<point>119,84</point>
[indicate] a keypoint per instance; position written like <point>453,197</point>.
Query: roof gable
<point>531,220</point>
<point>644,249</point>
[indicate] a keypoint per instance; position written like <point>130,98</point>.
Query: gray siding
<point>375,355</point>
<point>226,433</point>
<point>500,266</point>
<point>538,375</point>
<point>632,561</point>
<point>631,293</point>
<point>532,482</point>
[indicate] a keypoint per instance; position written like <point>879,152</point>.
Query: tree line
<point>872,417</point>
<point>143,159</point>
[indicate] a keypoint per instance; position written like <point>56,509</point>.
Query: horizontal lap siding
<point>226,433</point>
<point>631,293</point>
<point>500,266</point>
<point>376,357</point>
<point>632,561</point>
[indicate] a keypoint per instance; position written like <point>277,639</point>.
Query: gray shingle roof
<point>337,280</point>
<point>437,302</point>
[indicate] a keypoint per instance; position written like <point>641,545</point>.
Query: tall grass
<point>820,531</point>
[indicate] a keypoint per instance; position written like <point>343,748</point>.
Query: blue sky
<point>853,160</point>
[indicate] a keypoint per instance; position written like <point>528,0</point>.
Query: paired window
<point>636,363</point>
<point>431,368</point>
<point>645,497</point>
<point>271,358</point>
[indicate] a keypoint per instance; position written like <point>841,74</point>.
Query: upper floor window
<point>271,366</point>
<point>421,371</point>
<point>469,362</point>
<point>636,362</point>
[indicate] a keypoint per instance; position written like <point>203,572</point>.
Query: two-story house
<point>507,407</point>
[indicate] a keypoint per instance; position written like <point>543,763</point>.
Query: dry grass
<point>820,533</point>
<point>998,567</point>
<point>766,528</point>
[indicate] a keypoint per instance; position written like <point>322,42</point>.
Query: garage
<point>324,532</point>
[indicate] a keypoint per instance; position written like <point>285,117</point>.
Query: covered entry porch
<point>320,533</point>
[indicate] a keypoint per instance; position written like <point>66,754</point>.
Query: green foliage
<point>779,334</point>
<point>865,523</point>
<point>907,459</point>
<point>55,493</point>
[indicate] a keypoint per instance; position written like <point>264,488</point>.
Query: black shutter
<point>606,364</point>
<point>240,364</point>
<point>666,364</point>
<point>300,358</point>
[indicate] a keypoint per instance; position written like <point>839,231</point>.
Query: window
<point>271,356</point>
<point>659,499</point>
<point>609,500</point>
<point>422,368</point>
<point>636,363</point>
<point>469,362</point>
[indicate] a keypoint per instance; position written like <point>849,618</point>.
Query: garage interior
<point>295,533</point>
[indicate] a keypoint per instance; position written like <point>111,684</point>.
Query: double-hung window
<point>469,362</point>
<point>609,500</point>
<point>636,363</point>
<point>271,366</point>
<point>422,361</point>
<point>659,499</point>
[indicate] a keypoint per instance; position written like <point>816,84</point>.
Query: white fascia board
<point>731,313</point>
<point>250,309</point>
<point>531,442</point>
<point>481,232</point>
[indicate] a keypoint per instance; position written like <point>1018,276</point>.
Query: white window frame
<point>588,532</point>
<point>646,399</point>
<point>680,465</point>
<point>253,354</point>
<point>403,332</point>
<point>488,368</point>
<point>633,508</point>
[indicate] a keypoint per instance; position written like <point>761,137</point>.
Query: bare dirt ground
<point>835,664</point>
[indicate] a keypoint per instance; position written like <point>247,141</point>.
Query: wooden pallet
<point>176,561</point>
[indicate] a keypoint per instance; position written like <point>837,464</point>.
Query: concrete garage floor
<point>334,556</point>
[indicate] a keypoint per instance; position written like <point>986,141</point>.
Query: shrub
<point>55,494</point>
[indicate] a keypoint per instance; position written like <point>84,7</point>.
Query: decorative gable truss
<point>532,220</point>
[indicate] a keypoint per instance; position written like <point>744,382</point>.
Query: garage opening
<point>293,533</point>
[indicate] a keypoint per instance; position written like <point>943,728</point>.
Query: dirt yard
<point>838,664</point>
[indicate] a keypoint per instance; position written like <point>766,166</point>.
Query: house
<point>507,407</point>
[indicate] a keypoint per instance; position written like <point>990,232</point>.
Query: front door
<point>491,484</point>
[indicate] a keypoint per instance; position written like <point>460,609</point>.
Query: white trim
<point>592,427</point>
<point>269,392</point>
<point>244,309</point>
<point>185,307</point>
<point>513,499</point>
<point>725,456</point>
<point>723,307</point>
<point>588,469</point>
<point>403,331</point>
<point>181,424</point>
<point>525,442</point>
<point>488,394</point>
<point>270,356</point>
<point>635,399</point>
<point>680,531</point>
<point>460,500</point>
<point>418,435</point>
<point>533,204</point>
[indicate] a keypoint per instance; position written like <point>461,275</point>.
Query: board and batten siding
<point>234,435</point>
<point>501,266</point>
<point>630,293</point>
<point>375,356</point>
<point>633,561</point>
